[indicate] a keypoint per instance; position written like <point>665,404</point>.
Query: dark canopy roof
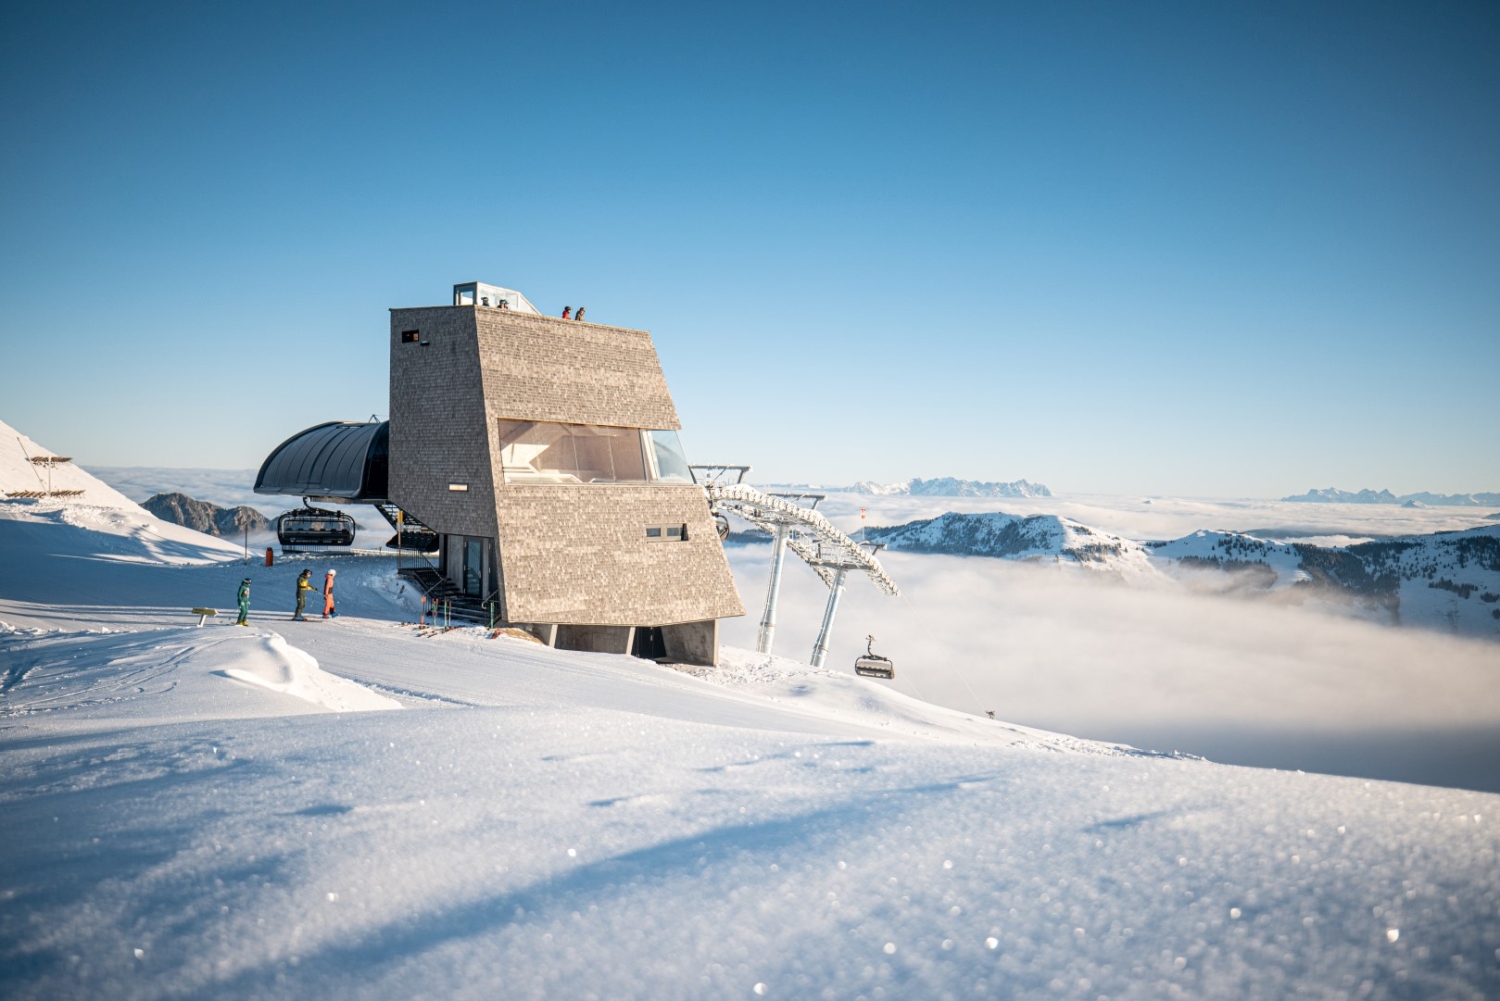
<point>346,461</point>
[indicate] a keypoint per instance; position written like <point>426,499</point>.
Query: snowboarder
<point>303,587</point>
<point>244,599</point>
<point>328,609</point>
<point>567,312</point>
<point>579,317</point>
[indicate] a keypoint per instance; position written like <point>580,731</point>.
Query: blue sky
<point>1199,248</point>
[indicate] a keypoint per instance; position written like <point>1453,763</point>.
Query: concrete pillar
<point>820,648</point>
<point>693,642</point>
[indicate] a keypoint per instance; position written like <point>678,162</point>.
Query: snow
<point>1037,537</point>
<point>537,823</point>
<point>1161,518</point>
<point>18,473</point>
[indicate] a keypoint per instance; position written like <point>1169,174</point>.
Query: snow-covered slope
<point>1449,580</point>
<point>18,474</point>
<point>1009,536</point>
<point>1240,561</point>
<point>539,824</point>
<point>98,522</point>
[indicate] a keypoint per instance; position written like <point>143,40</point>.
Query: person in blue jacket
<point>244,599</point>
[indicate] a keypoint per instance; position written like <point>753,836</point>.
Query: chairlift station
<point>538,459</point>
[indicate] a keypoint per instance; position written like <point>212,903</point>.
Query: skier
<point>244,600</point>
<point>567,312</point>
<point>328,609</point>
<point>303,587</point>
<point>579,317</point>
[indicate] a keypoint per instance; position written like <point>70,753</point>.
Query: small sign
<point>459,488</point>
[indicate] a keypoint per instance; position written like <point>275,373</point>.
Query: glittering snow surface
<point>178,821</point>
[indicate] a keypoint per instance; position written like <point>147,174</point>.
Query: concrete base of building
<point>693,642</point>
<point>595,639</point>
<point>686,642</point>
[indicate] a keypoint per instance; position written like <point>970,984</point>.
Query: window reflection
<point>543,452</point>
<point>670,460</point>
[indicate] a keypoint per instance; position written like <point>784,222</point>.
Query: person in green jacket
<point>304,587</point>
<point>244,600</point>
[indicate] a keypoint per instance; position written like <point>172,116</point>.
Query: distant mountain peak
<point>1012,536</point>
<point>201,516</point>
<point>1333,495</point>
<point>949,486</point>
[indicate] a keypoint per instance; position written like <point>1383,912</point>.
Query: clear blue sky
<point>1197,248</point>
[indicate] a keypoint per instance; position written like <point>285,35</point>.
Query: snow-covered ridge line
<point>1448,580</point>
<point>1333,495</point>
<point>1008,536</point>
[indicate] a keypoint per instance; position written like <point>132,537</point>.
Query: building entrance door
<point>473,567</point>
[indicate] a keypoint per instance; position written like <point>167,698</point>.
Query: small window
<point>459,488</point>
<point>654,532</point>
<point>410,336</point>
<point>675,533</point>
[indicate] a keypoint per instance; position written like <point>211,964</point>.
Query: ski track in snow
<point>541,824</point>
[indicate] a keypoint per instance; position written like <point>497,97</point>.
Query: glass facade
<point>669,460</point>
<point>542,452</point>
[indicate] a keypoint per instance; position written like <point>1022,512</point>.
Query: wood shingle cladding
<point>439,431</point>
<point>580,554</point>
<point>538,368</point>
<point>572,554</point>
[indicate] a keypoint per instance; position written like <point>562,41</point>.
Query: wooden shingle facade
<point>511,434</point>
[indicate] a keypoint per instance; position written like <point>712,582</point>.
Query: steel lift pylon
<point>831,554</point>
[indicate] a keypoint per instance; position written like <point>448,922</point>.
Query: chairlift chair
<point>314,526</point>
<point>872,665</point>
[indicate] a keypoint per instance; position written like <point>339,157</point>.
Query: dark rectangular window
<point>653,533</point>
<point>410,336</point>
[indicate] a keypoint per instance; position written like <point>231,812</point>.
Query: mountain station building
<point>543,453</point>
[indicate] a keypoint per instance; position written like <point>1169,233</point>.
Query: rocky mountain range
<point>948,486</point>
<point>201,516</point>
<point>1333,495</point>
<point>1446,580</point>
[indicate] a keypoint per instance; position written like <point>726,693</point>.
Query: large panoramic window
<point>542,452</point>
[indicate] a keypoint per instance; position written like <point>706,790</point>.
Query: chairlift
<point>872,665</point>
<point>314,526</point>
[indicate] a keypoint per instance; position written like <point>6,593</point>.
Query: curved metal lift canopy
<point>341,462</point>
<point>804,531</point>
<point>337,461</point>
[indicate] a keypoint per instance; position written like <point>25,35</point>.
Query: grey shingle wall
<point>569,553</point>
<point>439,434</point>
<point>543,369</point>
<point>579,554</point>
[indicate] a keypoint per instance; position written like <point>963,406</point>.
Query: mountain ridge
<point>1333,495</point>
<point>201,516</point>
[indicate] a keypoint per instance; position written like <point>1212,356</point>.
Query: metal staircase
<point>410,532</point>
<point>439,590</point>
